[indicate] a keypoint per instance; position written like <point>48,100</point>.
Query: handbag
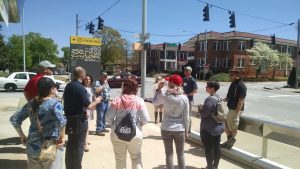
<point>126,129</point>
<point>48,150</point>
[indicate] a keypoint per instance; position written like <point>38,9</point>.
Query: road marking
<point>274,96</point>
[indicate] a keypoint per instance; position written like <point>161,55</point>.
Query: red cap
<point>176,79</point>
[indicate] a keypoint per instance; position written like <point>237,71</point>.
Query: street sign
<point>86,52</point>
<point>172,44</point>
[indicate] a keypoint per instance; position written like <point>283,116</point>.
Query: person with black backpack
<point>126,115</point>
<point>211,129</point>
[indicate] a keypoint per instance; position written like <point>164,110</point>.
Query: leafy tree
<point>3,53</point>
<point>66,57</point>
<point>15,53</point>
<point>113,47</point>
<point>263,57</point>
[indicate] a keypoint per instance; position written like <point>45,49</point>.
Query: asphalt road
<point>266,101</point>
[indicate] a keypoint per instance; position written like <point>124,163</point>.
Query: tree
<point>3,53</point>
<point>15,53</point>
<point>113,47</point>
<point>264,57</point>
<point>66,57</point>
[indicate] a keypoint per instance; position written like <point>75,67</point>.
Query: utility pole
<point>77,24</point>
<point>298,55</point>
<point>205,55</point>
<point>24,53</point>
<point>144,52</point>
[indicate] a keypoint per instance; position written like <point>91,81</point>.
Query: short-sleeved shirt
<point>31,88</point>
<point>105,93</point>
<point>189,85</point>
<point>237,90</point>
<point>52,120</point>
<point>75,98</point>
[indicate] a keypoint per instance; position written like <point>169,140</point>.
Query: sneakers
<point>230,142</point>
<point>105,130</point>
<point>100,133</point>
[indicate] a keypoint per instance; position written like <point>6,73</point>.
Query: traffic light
<point>91,28</point>
<point>251,43</point>
<point>179,46</point>
<point>273,41</point>
<point>100,23</point>
<point>232,20</point>
<point>164,45</point>
<point>206,13</point>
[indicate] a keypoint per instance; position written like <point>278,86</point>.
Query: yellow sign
<point>80,40</point>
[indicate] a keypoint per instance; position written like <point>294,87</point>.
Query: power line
<point>290,24</point>
<point>241,13</point>
<point>103,12</point>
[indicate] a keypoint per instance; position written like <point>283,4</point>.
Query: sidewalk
<point>101,156</point>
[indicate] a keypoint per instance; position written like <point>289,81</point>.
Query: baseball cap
<point>46,63</point>
<point>176,79</point>
<point>188,68</point>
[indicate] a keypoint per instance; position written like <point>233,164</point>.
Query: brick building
<point>170,58</point>
<point>225,50</point>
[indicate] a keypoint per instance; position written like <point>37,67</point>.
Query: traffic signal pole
<point>205,55</point>
<point>144,52</point>
<point>77,24</point>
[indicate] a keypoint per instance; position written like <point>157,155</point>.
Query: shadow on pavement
<point>175,167</point>
<point>10,141</point>
<point>13,164</point>
<point>153,137</point>
<point>14,150</point>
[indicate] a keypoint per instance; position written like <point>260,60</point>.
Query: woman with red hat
<point>174,126</point>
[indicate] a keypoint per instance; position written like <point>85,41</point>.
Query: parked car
<point>117,80</point>
<point>18,81</point>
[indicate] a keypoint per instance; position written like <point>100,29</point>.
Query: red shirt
<point>31,88</point>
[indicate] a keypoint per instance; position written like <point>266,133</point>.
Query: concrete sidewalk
<point>101,155</point>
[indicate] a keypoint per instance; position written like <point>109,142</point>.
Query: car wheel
<point>10,87</point>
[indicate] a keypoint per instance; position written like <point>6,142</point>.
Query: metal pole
<point>126,61</point>
<point>144,52</point>
<point>205,55</point>
<point>298,55</point>
<point>24,54</point>
<point>77,24</point>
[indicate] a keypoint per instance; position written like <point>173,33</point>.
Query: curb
<point>248,159</point>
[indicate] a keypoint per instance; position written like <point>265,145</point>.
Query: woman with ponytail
<point>47,122</point>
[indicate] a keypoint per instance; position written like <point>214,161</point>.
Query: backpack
<point>126,129</point>
<point>222,111</point>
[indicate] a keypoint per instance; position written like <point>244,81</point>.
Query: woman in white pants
<point>128,102</point>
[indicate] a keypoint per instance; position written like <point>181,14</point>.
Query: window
<point>171,55</point>
<point>201,46</point>
<point>218,62</point>
<point>242,46</point>
<point>226,62</point>
<point>290,50</point>
<point>282,49</point>
<point>21,76</point>
<point>31,75</point>
<point>162,55</point>
<point>200,62</point>
<point>241,62</point>
<point>226,46</point>
<point>217,46</point>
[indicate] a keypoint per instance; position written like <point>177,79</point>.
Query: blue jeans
<point>75,147</point>
<point>101,112</point>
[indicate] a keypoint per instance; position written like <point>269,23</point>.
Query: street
<point>266,101</point>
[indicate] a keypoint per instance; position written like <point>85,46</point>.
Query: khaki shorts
<point>159,107</point>
<point>232,120</point>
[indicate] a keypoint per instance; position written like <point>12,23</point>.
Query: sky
<point>56,18</point>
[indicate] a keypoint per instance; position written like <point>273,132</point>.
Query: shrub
<point>3,74</point>
<point>221,77</point>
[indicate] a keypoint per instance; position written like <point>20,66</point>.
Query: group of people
<point>173,100</point>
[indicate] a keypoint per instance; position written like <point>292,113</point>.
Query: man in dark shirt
<point>235,102</point>
<point>75,99</point>
<point>190,88</point>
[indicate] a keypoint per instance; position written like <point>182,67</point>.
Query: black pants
<point>212,148</point>
<point>75,147</point>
